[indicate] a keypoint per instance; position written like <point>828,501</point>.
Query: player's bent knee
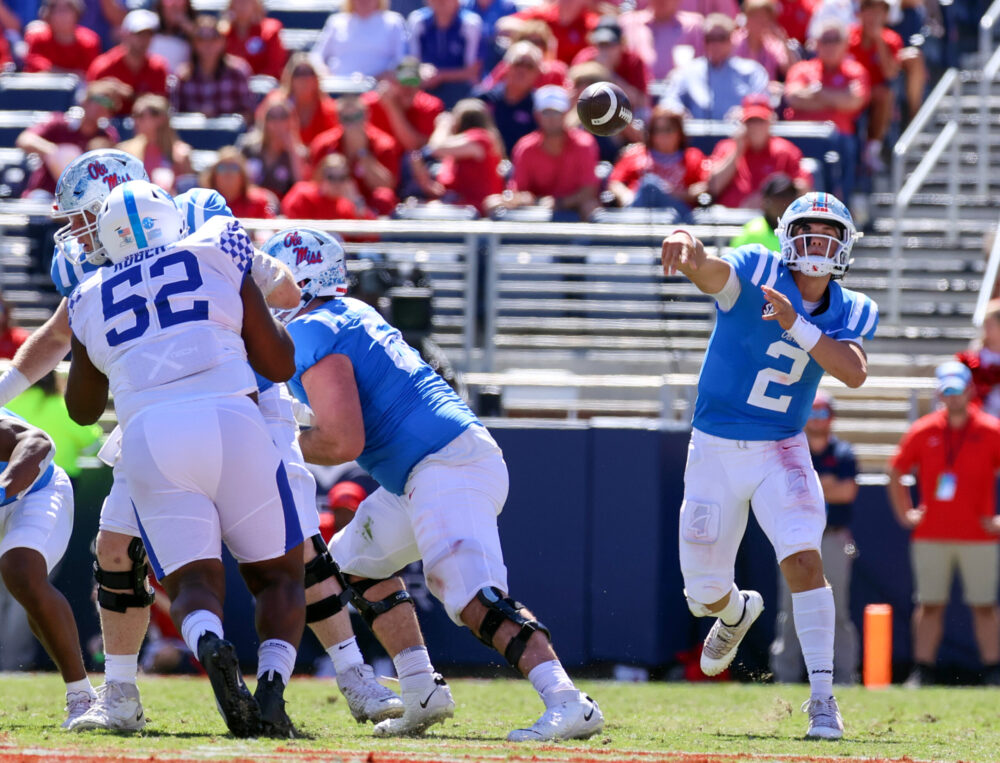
<point>500,609</point>
<point>318,569</point>
<point>119,590</point>
<point>371,610</point>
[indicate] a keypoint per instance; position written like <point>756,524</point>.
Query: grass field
<point>648,722</point>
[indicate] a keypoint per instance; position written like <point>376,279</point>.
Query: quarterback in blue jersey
<point>443,481</point>
<point>782,321</point>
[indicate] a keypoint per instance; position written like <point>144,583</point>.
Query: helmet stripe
<point>133,219</point>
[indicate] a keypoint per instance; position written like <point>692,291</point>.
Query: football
<point>604,109</point>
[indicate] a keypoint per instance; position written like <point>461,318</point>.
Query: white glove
<point>266,272</point>
<point>111,451</point>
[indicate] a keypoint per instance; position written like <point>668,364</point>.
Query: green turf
<point>929,724</point>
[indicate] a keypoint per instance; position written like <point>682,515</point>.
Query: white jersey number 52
<point>758,395</point>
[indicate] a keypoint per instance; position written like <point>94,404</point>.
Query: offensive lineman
<point>782,320</point>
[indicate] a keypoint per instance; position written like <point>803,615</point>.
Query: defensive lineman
<point>782,320</point>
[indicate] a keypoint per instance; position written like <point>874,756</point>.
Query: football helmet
<point>81,190</point>
<point>138,215</point>
<point>317,261</point>
<point>795,246</point>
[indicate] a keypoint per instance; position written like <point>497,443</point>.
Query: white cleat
<point>575,717</point>
<point>825,721</point>
<point>77,703</point>
<point>367,699</point>
<point>723,640</point>
<point>117,707</point>
<point>423,706</point>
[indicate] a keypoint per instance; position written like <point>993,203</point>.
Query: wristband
<point>805,334</point>
<point>12,384</point>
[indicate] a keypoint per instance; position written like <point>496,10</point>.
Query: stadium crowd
<point>470,103</point>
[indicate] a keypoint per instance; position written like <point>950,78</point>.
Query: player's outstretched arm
<point>28,452</point>
<point>86,387</point>
<point>682,252</point>
<point>40,353</point>
<point>338,430</point>
<point>270,350</point>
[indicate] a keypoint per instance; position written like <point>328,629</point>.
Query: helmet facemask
<point>817,254</point>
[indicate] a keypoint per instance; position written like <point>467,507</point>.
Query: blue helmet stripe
<point>133,219</point>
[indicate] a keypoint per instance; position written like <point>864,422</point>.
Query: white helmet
<point>138,215</point>
<point>823,208</point>
<point>317,262</point>
<point>82,188</point>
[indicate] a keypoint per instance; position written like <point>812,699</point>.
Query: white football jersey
<point>164,325</point>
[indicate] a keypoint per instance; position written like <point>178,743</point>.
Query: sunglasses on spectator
<point>820,414</point>
<point>663,128</point>
<point>203,36</point>
<point>278,114</point>
<point>830,39</point>
<point>228,167</point>
<point>149,113</point>
<point>525,63</point>
<point>717,37</point>
<point>303,72</point>
<point>102,100</point>
<point>352,117</point>
<point>336,177</point>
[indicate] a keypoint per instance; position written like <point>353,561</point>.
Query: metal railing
<point>989,75</point>
<point>989,280</point>
<point>905,195</point>
<point>950,81</point>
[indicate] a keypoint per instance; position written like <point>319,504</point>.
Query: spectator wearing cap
<point>511,100</point>
<point>955,452</point>
<point>837,467</point>
<point>832,87</point>
<point>628,70</point>
<point>570,22</point>
<point>212,82</point>
<point>663,171</point>
<point>330,194</point>
<point>59,139</point>
<point>777,193</point>
<point>57,42</point>
<point>554,166</point>
<point>761,39</point>
<point>664,36</point>
<point>399,107</point>
<point>130,61</point>
<point>229,176</point>
<point>983,360</point>
<point>446,36</point>
<point>364,37</point>
<point>739,165</point>
<point>712,86</point>
<point>276,158</point>
<point>254,37</point>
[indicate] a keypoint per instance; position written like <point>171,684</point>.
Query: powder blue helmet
<point>317,261</point>
<point>824,208</point>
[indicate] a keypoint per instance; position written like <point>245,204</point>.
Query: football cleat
<point>77,704</point>
<point>270,697</point>
<point>367,699</point>
<point>723,640</point>
<point>117,707</point>
<point>236,705</point>
<point>825,721</point>
<point>575,717</point>
<point>424,705</point>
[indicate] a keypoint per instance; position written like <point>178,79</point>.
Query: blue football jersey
<point>409,411</point>
<point>41,482</point>
<point>756,383</point>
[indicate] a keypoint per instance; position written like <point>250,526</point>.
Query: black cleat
<point>270,697</point>
<point>236,705</point>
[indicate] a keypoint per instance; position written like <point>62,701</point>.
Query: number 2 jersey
<point>409,410</point>
<point>164,325</point>
<point>756,383</point>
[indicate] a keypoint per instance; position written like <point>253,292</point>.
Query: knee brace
<point>370,610</point>
<point>141,594</point>
<point>321,567</point>
<point>500,608</point>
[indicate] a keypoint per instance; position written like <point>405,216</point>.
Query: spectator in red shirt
<point>212,82</point>
<point>166,157</point>
<point>831,87</point>
<point>130,61</point>
<point>570,22</point>
<point>400,107</point>
<point>230,178</point>
<point>60,140</point>
<point>739,165</point>
<point>552,71</point>
<point>256,39</point>
<point>330,195</point>
<point>373,155</point>
<point>554,167</point>
<point>57,42</point>
<point>11,335</point>
<point>663,171</point>
<point>628,71</point>
<point>276,158</point>
<point>315,111</point>
<point>470,149</point>
<point>983,359</point>
<point>794,17</point>
<point>956,454</point>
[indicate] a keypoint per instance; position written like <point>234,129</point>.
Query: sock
<point>814,624</point>
<point>122,668</point>
<point>732,613</point>
<point>550,679</point>
<point>412,664</point>
<point>83,685</point>
<point>276,656</point>
<point>345,655</point>
<point>196,625</point>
